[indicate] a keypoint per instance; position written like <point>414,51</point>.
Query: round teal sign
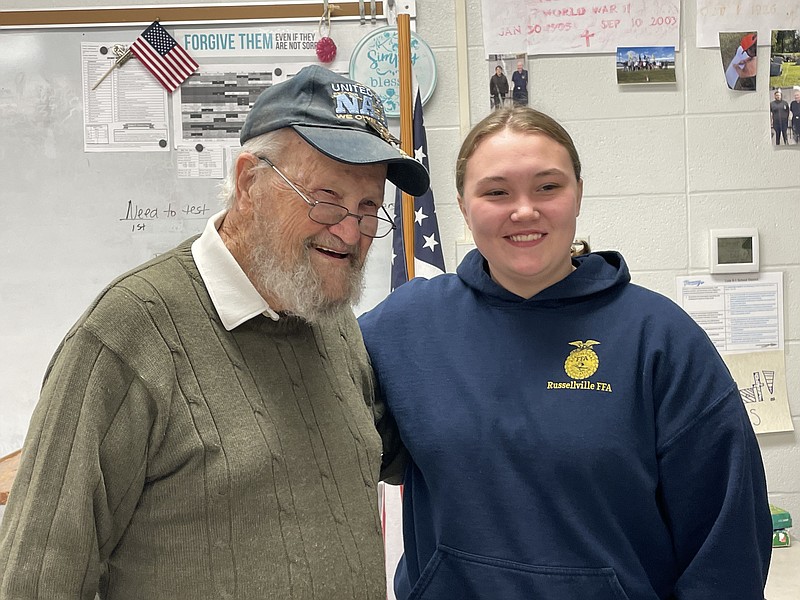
<point>374,63</point>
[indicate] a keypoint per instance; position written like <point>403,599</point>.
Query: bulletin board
<point>74,220</point>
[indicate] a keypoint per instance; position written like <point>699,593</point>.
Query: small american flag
<point>163,56</point>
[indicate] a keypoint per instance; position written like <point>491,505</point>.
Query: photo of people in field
<point>784,58</point>
<point>645,64</point>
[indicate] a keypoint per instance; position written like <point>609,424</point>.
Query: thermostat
<point>734,250</point>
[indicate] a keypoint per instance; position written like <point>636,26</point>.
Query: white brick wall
<point>715,168</point>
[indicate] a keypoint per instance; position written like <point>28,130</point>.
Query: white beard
<point>293,281</point>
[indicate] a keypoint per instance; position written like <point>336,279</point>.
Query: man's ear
<point>246,164</point>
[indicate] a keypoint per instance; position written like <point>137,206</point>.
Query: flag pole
<point>406,131</point>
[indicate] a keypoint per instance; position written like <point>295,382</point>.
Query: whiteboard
<point>64,233</point>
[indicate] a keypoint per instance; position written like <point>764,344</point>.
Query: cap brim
<point>364,148</point>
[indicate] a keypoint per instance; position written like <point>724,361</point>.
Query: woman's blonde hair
<point>521,119</point>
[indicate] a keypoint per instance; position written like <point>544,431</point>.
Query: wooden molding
<point>73,17</point>
<point>8,470</point>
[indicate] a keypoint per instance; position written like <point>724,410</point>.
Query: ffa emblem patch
<point>583,361</point>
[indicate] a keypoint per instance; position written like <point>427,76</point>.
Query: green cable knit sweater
<point>171,459</point>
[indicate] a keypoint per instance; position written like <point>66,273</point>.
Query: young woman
<point>567,434</point>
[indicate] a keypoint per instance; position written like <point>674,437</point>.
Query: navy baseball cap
<point>341,118</point>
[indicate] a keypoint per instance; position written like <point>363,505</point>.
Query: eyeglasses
<point>327,213</point>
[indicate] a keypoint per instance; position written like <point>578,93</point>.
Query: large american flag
<point>428,257</point>
<point>163,56</point>
<point>428,262</point>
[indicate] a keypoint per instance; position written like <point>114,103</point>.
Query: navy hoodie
<point>586,443</point>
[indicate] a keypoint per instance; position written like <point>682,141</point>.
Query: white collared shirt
<point>233,294</point>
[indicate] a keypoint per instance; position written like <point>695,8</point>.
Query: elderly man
<point>206,430</point>
<point>519,81</point>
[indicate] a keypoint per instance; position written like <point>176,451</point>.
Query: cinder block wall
<point>662,166</point>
